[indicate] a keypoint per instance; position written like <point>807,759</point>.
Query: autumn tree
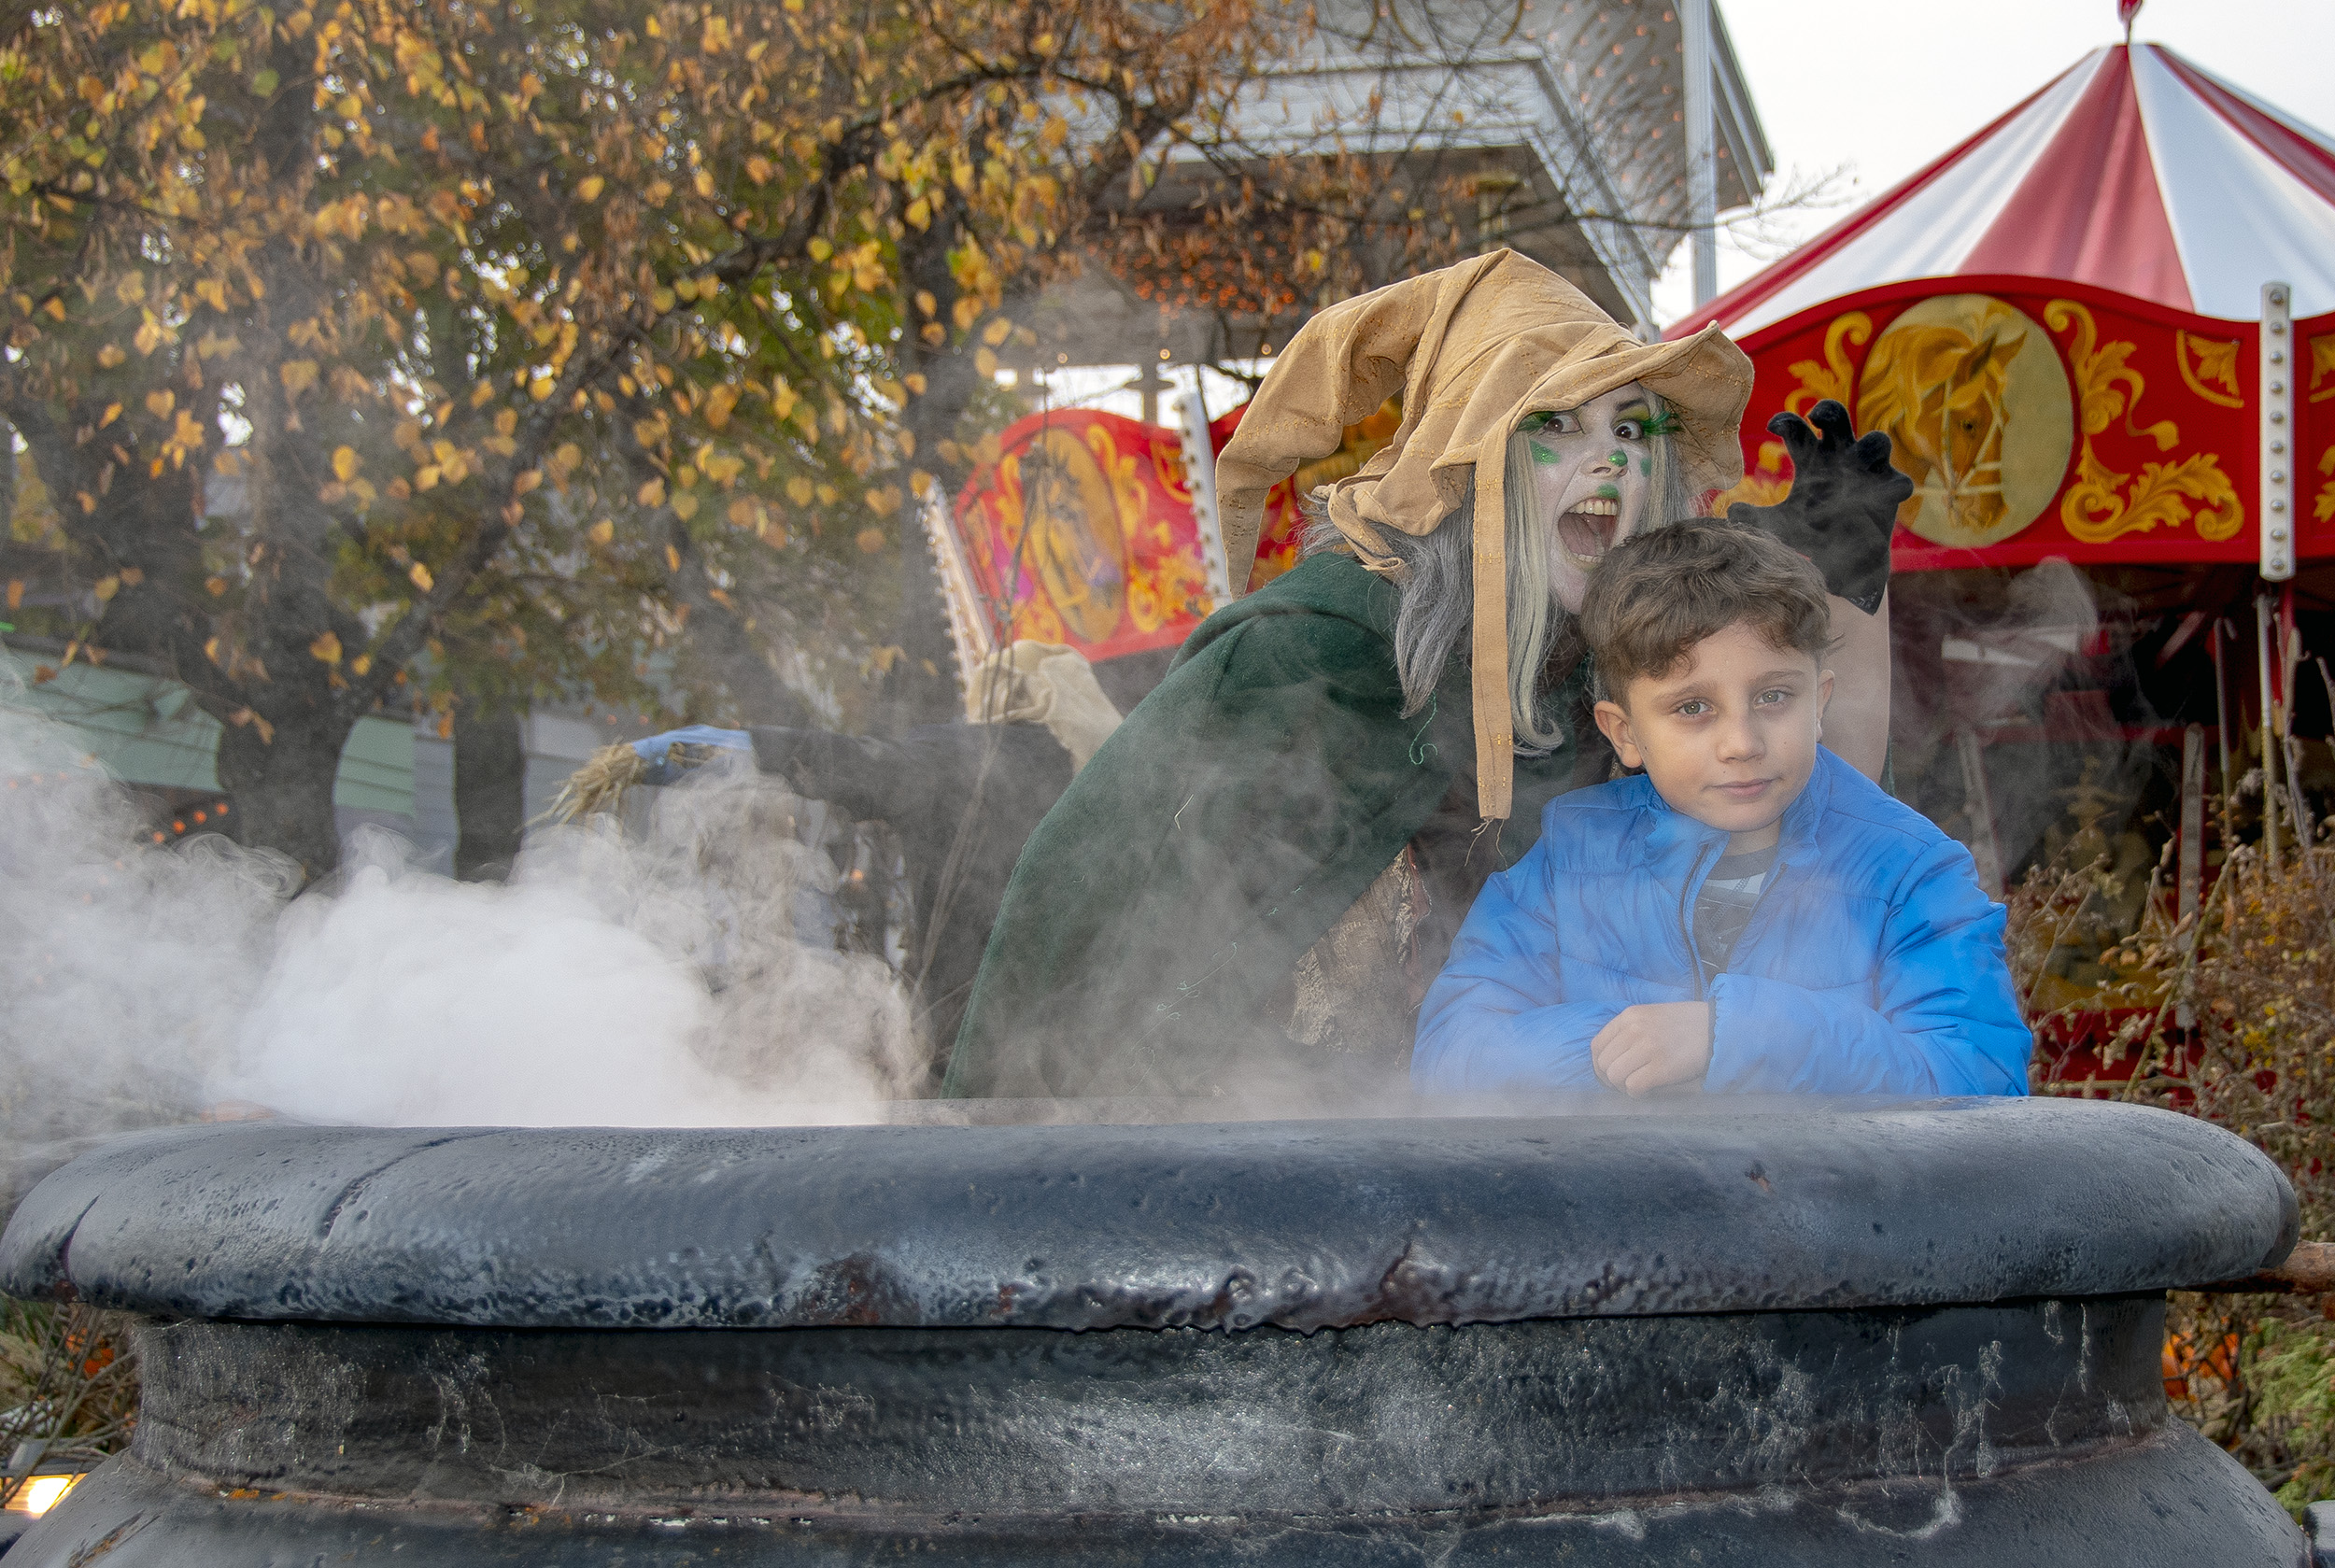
<point>524,332</point>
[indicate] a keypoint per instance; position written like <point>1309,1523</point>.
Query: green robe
<point>1152,924</point>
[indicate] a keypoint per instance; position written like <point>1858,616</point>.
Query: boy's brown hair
<point>1656,594</point>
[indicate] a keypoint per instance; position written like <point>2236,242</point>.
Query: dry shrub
<point>2227,1016</point>
<point>68,1385</point>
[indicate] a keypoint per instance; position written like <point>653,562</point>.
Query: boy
<point>1750,913</point>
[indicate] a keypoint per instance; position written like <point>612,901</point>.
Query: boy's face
<point>1592,475</point>
<point>1730,736</point>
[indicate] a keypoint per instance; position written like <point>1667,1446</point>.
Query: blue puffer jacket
<point>1873,965</point>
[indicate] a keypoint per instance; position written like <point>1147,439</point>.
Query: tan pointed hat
<point>1474,350</point>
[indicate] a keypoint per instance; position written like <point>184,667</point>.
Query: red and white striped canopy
<point>2133,171</point>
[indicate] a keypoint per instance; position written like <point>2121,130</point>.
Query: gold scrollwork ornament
<point>2104,504</point>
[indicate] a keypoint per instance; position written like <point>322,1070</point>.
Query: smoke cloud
<point>673,976</point>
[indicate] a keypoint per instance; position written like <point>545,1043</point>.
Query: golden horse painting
<point>1977,403</point>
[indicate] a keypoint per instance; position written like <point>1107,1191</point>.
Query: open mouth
<point>1586,530</point>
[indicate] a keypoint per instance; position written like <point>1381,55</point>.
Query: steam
<point>2016,656</point>
<point>671,977</point>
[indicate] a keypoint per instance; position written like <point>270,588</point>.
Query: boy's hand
<point>1653,1044</point>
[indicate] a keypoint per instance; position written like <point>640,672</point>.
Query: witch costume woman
<point>1250,886</point>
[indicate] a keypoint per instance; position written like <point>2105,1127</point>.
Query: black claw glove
<point>1842,504</point>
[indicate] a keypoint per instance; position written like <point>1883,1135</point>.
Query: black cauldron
<point>1725,1332</point>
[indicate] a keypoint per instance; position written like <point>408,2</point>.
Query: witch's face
<point>1594,478</point>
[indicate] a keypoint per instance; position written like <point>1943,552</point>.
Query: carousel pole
<point>2223,632</point>
<point>2270,732</point>
<point>2191,876</point>
<point>2290,749</point>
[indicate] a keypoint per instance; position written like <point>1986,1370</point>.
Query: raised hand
<point>1842,504</point>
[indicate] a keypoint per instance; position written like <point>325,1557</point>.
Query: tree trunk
<point>923,683</point>
<point>489,790</point>
<point>281,788</point>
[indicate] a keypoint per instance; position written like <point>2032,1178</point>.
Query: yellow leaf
<point>111,354</point>
<point>870,541</point>
<point>298,375</point>
<point>672,558</point>
<point>914,382</point>
<point>527,480</point>
<point>799,491</point>
<point>345,463</point>
<point>105,587</point>
<point>327,649</point>
<point>591,187</point>
<point>427,478</point>
<point>361,663</point>
<point>919,215</point>
<point>601,532</point>
<point>996,332</point>
<point>133,577</point>
<point>421,578</point>
<point>651,494</point>
<point>159,403</point>
<point>113,412</point>
<point>685,506</point>
<point>985,362</point>
<point>215,585</point>
<point>506,421</point>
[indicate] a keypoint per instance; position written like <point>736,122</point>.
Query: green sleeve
<point>1236,814</point>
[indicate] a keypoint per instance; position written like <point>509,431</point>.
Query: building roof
<point>2134,170</point>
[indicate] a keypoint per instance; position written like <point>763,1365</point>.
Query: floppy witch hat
<point>1474,350</point>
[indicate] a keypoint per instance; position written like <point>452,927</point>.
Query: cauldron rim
<point>1714,1207</point>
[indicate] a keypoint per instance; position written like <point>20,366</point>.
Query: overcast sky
<point>1878,88</point>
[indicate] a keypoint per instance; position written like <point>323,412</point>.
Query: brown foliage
<point>2255,969</point>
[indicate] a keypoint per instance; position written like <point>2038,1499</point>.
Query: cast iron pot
<point>1728,1332</point>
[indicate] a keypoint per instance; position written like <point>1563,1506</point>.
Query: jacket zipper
<point>1686,924</point>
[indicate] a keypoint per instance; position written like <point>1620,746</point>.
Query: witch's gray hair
<point>1436,586</point>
